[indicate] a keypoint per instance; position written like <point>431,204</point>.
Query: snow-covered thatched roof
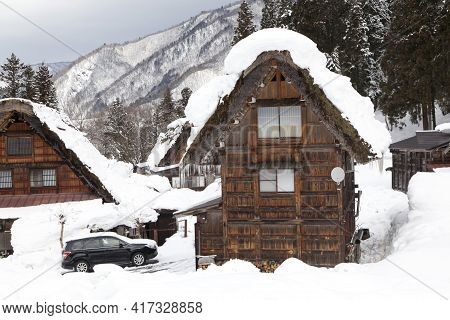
<point>334,89</point>
<point>352,115</point>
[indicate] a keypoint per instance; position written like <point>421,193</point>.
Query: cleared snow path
<point>383,210</point>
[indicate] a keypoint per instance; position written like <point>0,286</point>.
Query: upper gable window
<point>19,146</point>
<point>279,122</point>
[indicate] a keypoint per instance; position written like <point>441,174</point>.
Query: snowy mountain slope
<point>185,55</point>
<point>53,67</point>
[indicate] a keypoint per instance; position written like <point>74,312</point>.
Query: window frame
<point>43,180</point>
<point>279,106</point>
<point>276,180</point>
<point>25,136</point>
<point>10,176</point>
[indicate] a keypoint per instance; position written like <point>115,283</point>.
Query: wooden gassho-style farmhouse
<point>35,166</point>
<point>277,137</point>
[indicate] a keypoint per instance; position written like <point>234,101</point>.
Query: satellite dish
<point>338,175</point>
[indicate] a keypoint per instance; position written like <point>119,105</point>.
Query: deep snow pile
<point>443,127</point>
<point>423,243</point>
<point>338,89</point>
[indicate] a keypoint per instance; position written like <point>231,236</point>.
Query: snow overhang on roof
<point>372,138</point>
<point>170,146</point>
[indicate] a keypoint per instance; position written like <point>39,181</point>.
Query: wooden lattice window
<point>276,180</point>
<point>19,146</point>
<point>42,178</point>
<point>279,122</point>
<point>5,179</point>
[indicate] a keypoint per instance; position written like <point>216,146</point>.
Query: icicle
<point>380,163</point>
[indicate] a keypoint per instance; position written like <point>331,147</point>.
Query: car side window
<point>92,243</point>
<point>77,245</point>
<point>109,242</point>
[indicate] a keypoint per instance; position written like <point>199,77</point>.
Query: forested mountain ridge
<point>138,72</point>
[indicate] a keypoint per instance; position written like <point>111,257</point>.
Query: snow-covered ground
<point>409,255</point>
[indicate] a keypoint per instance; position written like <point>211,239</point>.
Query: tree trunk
<point>425,117</point>
<point>433,116</point>
<point>433,110</point>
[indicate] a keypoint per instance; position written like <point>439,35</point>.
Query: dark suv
<point>84,253</point>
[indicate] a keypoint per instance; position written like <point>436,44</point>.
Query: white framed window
<point>43,178</point>
<point>276,180</point>
<point>5,179</point>
<point>279,122</point>
<point>19,146</point>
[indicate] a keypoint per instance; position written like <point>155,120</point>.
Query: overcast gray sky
<point>86,24</point>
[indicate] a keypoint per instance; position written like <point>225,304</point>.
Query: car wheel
<point>138,259</point>
<point>82,266</point>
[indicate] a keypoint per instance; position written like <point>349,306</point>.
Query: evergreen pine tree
<point>165,112</point>
<point>323,21</point>
<point>119,134</point>
<point>377,16</point>
<point>416,74</point>
<point>356,60</point>
<point>269,14</point>
<point>147,135</point>
<point>46,91</point>
<point>185,95</point>
<point>284,14</point>
<point>28,88</point>
<point>182,103</point>
<point>441,60</point>
<point>245,26</point>
<point>11,74</point>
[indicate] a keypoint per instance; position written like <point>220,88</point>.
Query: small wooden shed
<point>424,152</point>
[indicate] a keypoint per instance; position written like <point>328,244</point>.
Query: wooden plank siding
<point>314,223</point>
<point>43,156</point>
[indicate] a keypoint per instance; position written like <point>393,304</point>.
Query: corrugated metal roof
<point>424,140</point>
<point>14,201</point>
